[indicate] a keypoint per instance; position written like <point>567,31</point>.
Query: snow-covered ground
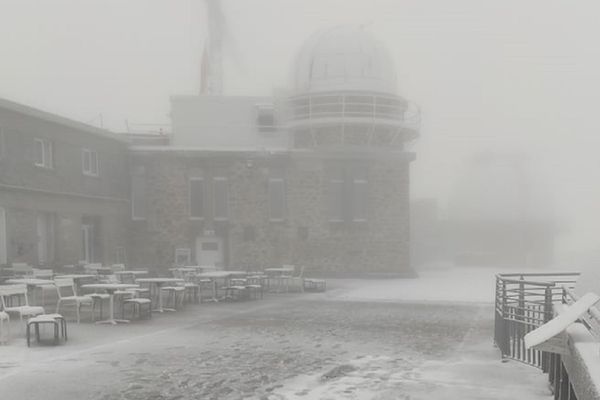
<point>368,339</point>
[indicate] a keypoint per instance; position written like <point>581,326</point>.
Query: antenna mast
<point>211,74</point>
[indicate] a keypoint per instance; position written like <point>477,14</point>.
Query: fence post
<point>547,317</point>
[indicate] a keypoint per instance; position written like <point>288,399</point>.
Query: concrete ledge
<point>583,363</point>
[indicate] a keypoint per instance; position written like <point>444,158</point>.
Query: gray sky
<point>508,75</point>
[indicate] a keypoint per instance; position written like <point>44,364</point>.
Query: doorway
<point>45,236</point>
<point>87,242</point>
<point>209,250</point>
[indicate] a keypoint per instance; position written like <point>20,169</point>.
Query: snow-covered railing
<point>523,303</point>
<point>527,301</point>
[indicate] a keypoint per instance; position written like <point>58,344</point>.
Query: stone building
<point>64,190</point>
<point>316,177</point>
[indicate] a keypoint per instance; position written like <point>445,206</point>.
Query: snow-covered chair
<point>10,293</point>
<point>65,289</point>
<point>4,327</point>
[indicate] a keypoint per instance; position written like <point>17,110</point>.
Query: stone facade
<point>306,236</point>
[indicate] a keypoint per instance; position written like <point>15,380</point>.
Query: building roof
<point>56,119</point>
<point>344,58</point>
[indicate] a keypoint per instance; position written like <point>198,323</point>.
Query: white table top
<point>131,272</point>
<point>76,276</point>
<point>281,269</point>
<point>159,280</point>
<point>109,286</point>
<point>220,274</point>
<point>30,281</point>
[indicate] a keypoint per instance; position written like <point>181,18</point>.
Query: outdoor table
<point>214,275</point>
<point>159,283</point>
<point>130,273</point>
<point>278,273</point>
<point>31,283</point>
<point>110,288</point>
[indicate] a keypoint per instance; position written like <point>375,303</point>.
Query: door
<point>3,255</point>
<point>87,243</point>
<point>209,251</point>
<point>45,236</point>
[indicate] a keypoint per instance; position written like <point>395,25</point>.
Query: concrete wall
<point>222,122</point>
<point>63,191</point>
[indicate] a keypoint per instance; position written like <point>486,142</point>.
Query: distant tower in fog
<point>345,95</point>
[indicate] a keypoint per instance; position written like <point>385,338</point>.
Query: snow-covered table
<point>159,283</point>
<point>110,288</point>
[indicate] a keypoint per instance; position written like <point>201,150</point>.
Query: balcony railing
<point>525,302</point>
<point>353,106</point>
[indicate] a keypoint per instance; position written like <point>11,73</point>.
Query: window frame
<point>263,110</point>
<point>225,181</point>
<point>340,203</point>
<point>47,147</point>
<point>93,156</point>
<point>364,182</point>
<point>139,174</point>
<point>202,198</point>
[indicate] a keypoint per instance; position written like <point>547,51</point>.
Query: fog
<point>507,77</point>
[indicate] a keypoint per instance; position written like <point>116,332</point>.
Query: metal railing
<point>351,105</point>
<point>523,303</point>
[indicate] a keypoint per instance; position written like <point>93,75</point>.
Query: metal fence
<point>523,303</point>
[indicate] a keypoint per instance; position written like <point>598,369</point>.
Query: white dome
<point>346,58</point>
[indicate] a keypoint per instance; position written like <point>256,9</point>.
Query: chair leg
<point>28,335</point>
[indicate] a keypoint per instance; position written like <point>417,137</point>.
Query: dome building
<point>317,178</point>
<point>345,94</point>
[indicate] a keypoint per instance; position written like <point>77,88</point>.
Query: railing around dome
<point>342,106</point>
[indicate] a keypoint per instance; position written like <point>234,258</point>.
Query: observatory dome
<point>346,58</point>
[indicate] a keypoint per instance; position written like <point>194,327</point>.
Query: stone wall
<point>305,237</point>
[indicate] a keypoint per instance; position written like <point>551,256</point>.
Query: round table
<point>110,288</point>
<point>214,275</point>
<point>159,283</point>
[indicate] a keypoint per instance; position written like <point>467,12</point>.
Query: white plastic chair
<point>4,327</point>
<point>23,310</point>
<point>67,286</point>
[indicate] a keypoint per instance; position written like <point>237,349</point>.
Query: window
<point>336,205</point>
<point>221,199</point>
<point>277,199</point>
<point>138,194</point>
<point>45,236</point>
<point>43,153</point>
<point>265,117</point>
<point>196,198</point>
<point>359,200</point>
<point>183,257</point>
<point>89,159</point>
<point>349,192</point>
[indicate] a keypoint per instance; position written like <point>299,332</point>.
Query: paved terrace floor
<point>361,340</point>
